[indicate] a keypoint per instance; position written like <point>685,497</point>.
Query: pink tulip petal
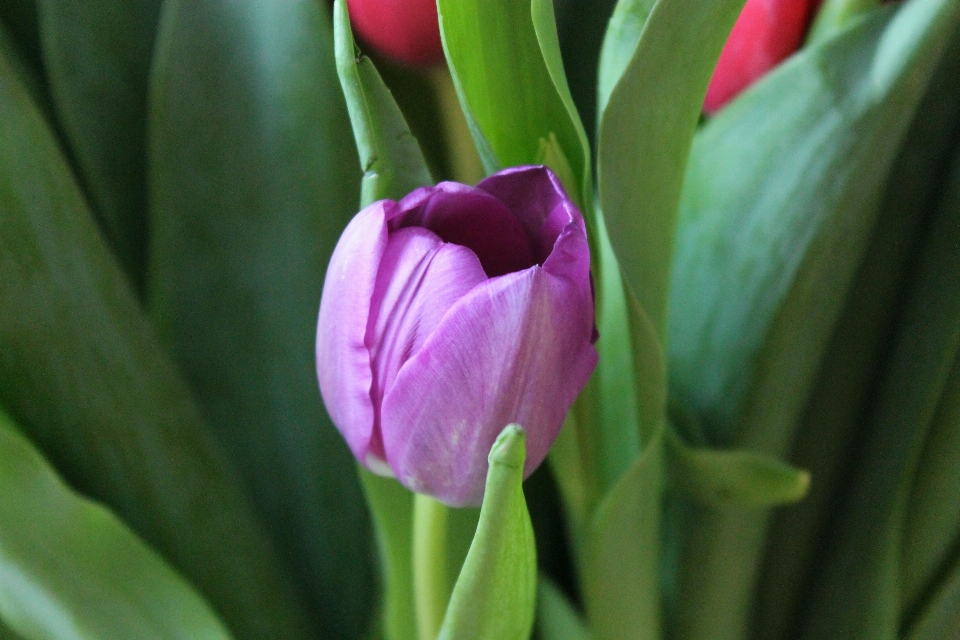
<point>515,349</point>
<point>472,218</point>
<point>533,193</point>
<point>420,278</point>
<point>343,360</point>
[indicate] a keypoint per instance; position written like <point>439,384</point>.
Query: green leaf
<point>732,477</point>
<point>932,527</point>
<point>391,159</point>
<point>620,553</point>
<point>97,60</point>
<point>6,633</point>
<point>495,595</point>
<point>770,237</point>
<point>26,74</point>
<point>545,26</point>
<point>831,420</point>
<point>834,16</point>
<point>940,619</point>
<point>70,569</point>
<point>619,44</point>
<point>615,433</point>
<point>557,619</point>
<point>84,374</point>
<point>777,215</point>
<point>253,178</point>
<point>645,136</point>
<point>506,65</point>
<point>20,17</point>
<point>858,594</point>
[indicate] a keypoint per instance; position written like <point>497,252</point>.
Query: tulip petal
<point>472,218</point>
<point>419,279</point>
<point>514,349</point>
<point>343,360</point>
<point>533,193</point>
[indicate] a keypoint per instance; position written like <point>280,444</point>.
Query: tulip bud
<point>766,33</point>
<point>449,315</point>
<point>407,31</point>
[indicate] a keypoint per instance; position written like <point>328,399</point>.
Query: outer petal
<point>515,349</point>
<point>343,361</point>
<point>472,218</point>
<point>419,279</point>
<point>532,193</point>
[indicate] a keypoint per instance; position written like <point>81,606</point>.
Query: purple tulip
<point>449,315</point>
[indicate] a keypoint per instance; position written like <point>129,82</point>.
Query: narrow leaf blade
<point>70,569</point>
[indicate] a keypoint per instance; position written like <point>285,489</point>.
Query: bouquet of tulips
<point>638,319</point>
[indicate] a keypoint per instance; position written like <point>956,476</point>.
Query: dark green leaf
<point>97,59</point>
<point>940,619</point>
<point>858,595</point>
<point>253,178</point>
<point>20,17</point>
<point>732,477</point>
<point>831,420</point>
<point>556,617</point>
<point>85,376</point>
<point>932,528</point>
<point>777,214</point>
<point>69,569</point>
<point>494,596</point>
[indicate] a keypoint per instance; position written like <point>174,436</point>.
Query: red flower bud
<point>407,31</point>
<point>767,32</point>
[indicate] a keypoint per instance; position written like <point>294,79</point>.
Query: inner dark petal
<point>474,219</point>
<point>534,195</point>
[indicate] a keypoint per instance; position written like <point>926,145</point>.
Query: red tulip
<point>407,31</point>
<point>767,32</point>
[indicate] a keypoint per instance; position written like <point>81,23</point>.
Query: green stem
<point>430,581</point>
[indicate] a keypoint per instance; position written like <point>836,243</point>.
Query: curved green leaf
<point>506,66</point>
<point>97,60</point>
<point>392,161</point>
<point>858,594</point>
<point>620,553</point>
<point>556,617</point>
<point>253,176</point>
<point>732,477</point>
<point>84,374</point>
<point>645,136</point>
<point>69,569</point>
<point>831,420</point>
<point>940,619</point>
<point>932,525</point>
<point>619,44</point>
<point>769,241</point>
<point>770,236</point>
<point>494,596</point>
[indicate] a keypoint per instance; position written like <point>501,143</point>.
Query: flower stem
<point>430,580</point>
